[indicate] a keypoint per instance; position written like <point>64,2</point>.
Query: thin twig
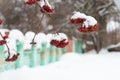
<point>6,45</point>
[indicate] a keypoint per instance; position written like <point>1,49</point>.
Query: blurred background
<point>23,21</point>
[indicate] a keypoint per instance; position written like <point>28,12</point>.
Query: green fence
<point>78,46</point>
<point>34,56</point>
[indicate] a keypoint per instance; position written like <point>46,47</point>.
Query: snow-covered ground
<point>72,66</point>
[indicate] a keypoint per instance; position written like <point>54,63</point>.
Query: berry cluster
<point>59,44</point>
<point>59,41</point>
<point>13,58</point>
<point>89,24</point>
<point>88,29</point>
<point>77,21</point>
<point>44,5</point>
<point>46,9</point>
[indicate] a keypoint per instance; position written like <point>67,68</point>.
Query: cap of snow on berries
<point>89,21</point>
<point>46,7</point>
<point>77,17</point>
<point>60,37</point>
<point>89,25</point>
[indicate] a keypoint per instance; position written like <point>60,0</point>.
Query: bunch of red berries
<point>89,24</point>
<point>88,29</point>
<point>13,58</point>
<point>44,5</point>
<point>60,41</point>
<point>46,9</point>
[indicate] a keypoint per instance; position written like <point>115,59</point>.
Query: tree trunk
<point>96,42</point>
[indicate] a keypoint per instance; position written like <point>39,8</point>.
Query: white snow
<point>13,36</point>
<point>90,21</point>
<point>12,52</point>
<point>11,43</point>
<point>112,25</point>
<point>78,15</point>
<point>49,36</point>
<point>16,35</point>
<point>60,36</point>
<point>72,66</point>
<point>115,45</point>
<point>40,38</point>
<point>2,31</point>
<point>42,3</point>
<point>28,38</point>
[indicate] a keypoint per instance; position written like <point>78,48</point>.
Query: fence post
<point>19,49</point>
<point>58,53</point>
<point>78,46</point>
<point>43,54</point>
<point>52,54</point>
<point>27,57</point>
<point>33,56</point>
<point>2,58</point>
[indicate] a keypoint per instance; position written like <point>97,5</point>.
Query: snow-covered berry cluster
<point>88,23</point>
<point>44,5</point>
<point>59,40</point>
<point>13,58</point>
